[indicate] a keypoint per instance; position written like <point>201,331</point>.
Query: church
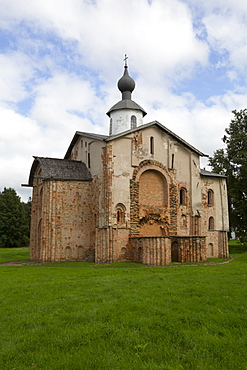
<point>137,194</point>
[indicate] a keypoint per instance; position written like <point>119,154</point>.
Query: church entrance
<point>174,251</point>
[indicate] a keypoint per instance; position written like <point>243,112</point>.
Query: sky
<point>60,61</point>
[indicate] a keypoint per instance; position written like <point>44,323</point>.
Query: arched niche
<point>153,189</point>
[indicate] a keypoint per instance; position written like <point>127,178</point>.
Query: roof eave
<point>79,134</point>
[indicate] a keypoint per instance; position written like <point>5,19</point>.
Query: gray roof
<point>211,174</point>
<point>163,128</point>
<point>126,104</point>
<point>107,138</point>
<point>88,135</point>
<point>59,169</point>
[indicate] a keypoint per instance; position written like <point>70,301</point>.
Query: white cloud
<point>16,70</point>
<point>226,28</point>
<point>160,34</point>
<point>65,57</point>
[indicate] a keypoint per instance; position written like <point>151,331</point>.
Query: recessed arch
<point>153,189</point>
<point>123,253</point>
<point>183,221</point>
<point>81,252</point>
<point>211,249</point>
<point>68,253</point>
<point>151,165</point>
<point>140,254</point>
<point>41,193</point>
<point>175,251</point>
<point>120,213</point>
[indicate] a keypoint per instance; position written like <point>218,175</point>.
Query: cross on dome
<point>125,60</point>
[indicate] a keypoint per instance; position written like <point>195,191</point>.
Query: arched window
<point>175,251</point>
<point>133,121</point>
<point>182,196</point>
<point>211,223</point>
<point>210,197</point>
<point>172,161</point>
<point>68,253</point>
<point>41,198</point>
<point>140,254</point>
<point>110,130</point>
<point>123,253</point>
<point>211,249</point>
<point>80,252</point>
<point>120,211</point>
<point>183,221</point>
<point>151,145</point>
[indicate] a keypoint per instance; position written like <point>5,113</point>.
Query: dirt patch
<point>12,264</point>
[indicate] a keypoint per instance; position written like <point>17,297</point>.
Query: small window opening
<point>120,211</point>
<point>210,197</point>
<point>120,216</point>
<point>183,221</point>
<point>88,160</point>
<point>172,160</point>
<point>211,223</point>
<point>85,144</point>
<point>151,145</point>
<point>133,121</point>
<point>212,249</point>
<point>182,196</point>
<point>110,131</point>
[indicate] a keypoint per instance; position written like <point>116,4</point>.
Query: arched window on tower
<point>133,121</point>
<point>110,130</point>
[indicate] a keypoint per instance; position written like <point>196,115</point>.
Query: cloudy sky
<point>60,61</point>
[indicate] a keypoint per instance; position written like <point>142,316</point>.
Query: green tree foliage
<point>232,162</point>
<point>14,220</point>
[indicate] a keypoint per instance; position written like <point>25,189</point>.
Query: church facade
<point>137,194</point>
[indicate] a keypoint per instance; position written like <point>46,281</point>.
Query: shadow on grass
<point>235,247</point>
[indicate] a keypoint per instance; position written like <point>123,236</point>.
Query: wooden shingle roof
<point>59,169</point>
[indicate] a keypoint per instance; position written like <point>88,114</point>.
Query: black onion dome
<point>126,83</point>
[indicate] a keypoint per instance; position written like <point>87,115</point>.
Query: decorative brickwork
<point>150,199</point>
<point>223,251</point>
<point>62,225</point>
<point>106,186</point>
<point>134,207</point>
<point>152,251</point>
<point>130,207</point>
<point>173,209</point>
<point>191,248</point>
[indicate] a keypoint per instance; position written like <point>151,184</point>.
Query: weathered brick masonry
<point>137,194</point>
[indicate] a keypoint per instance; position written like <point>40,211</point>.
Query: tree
<point>232,162</point>
<point>14,220</point>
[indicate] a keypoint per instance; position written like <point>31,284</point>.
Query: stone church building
<point>137,194</point>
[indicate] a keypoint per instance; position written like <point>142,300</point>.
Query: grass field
<point>123,316</point>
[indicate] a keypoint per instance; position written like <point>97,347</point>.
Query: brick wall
<point>153,200</point>
<point>62,221</point>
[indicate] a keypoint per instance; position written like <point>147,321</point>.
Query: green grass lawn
<point>14,255</point>
<point>123,316</point>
